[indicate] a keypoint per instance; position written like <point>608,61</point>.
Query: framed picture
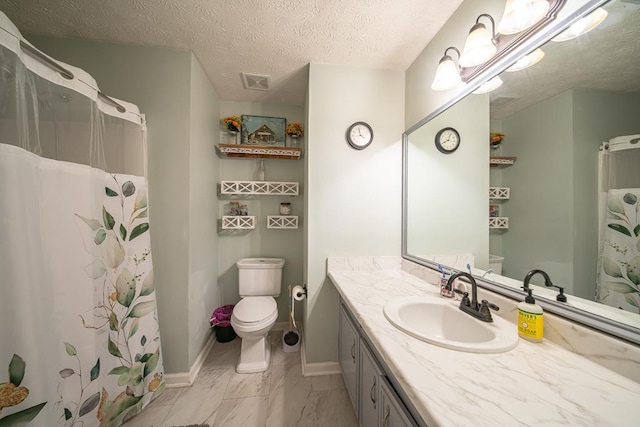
<point>263,131</point>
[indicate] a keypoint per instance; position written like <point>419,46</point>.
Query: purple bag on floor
<point>222,315</point>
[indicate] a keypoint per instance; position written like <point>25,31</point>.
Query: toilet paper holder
<point>299,292</point>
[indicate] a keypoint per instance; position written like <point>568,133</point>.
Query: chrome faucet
<point>547,282</point>
<point>480,311</point>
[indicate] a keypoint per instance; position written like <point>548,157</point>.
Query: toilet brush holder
<point>290,341</point>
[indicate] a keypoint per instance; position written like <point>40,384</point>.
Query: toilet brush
<point>290,338</point>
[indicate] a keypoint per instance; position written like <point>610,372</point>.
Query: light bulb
<point>522,14</point>
<point>527,61</point>
<point>583,26</point>
<point>486,87</point>
<point>447,75</point>
<point>478,48</point>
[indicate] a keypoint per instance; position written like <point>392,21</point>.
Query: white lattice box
<point>282,222</point>
<point>500,222</point>
<point>253,188</point>
<point>238,222</point>
<point>499,193</point>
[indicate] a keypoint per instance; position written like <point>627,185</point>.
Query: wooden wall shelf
<point>238,151</point>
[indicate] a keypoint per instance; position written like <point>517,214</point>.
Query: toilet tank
<point>260,276</point>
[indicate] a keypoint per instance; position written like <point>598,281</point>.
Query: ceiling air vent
<point>256,81</point>
<point>502,101</point>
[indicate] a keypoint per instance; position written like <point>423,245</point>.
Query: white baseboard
<point>186,379</point>
<point>318,368</point>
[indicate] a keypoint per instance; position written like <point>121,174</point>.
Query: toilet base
<point>255,356</point>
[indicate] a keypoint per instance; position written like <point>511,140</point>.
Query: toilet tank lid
<point>261,263</point>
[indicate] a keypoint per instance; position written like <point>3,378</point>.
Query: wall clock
<point>359,135</point>
<point>447,140</point>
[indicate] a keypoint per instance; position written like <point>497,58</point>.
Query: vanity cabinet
<point>374,400</point>
<point>393,413</point>
<point>348,346</point>
<point>370,378</point>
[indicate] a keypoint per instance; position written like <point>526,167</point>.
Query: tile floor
<point>278,397</point>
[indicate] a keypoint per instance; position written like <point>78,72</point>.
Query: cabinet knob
<point>353,351</point>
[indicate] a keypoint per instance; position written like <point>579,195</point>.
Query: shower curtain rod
<point>35,53</point>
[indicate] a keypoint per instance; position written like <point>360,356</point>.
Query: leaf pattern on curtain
<point>620,283</point>
<point>123,276</point>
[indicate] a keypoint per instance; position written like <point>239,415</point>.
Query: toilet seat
<point>255,311</point>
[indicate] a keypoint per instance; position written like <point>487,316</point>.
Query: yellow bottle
<point>530,319</point>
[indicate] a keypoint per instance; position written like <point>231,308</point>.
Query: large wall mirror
<point>565,192</point>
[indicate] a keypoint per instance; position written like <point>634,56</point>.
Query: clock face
<point>447,140</point>
<point>359,135</point>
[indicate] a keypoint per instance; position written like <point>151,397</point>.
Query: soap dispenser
<point>530,319</point>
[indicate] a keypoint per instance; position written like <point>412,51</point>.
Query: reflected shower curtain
<point>79,336</point>
<point>618,275</point>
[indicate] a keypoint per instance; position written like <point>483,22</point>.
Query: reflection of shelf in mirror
<point>240,151</point>
<point>282,222</point>
<point>229,222</point>
<point>501,161</point>
<point>499,194</point>
<point>229,189</point>
<point>499,223</point>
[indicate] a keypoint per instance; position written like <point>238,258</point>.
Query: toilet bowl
<point>252,319</point>
<point>256,313</point>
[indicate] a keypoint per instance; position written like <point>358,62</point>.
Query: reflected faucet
<point>547,282</point>
<point>527,279</point>
<point>480,311</point>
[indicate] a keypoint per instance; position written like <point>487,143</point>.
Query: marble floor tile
<point>248,385</point>
<point>201,401</point>
<point>149,417</point>
<point>278,355</point>
<point>223,355</point>
<point>328,409</point>
<point>327,382</point>
<point>288,395</point>
<point>168,396</point>
<point>244,412</point>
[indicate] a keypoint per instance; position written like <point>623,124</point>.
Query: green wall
<point>263,242</point>
<point>354,196</point>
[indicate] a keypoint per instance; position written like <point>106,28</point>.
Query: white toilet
<point>259,280</point>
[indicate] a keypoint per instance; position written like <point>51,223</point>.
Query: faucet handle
<point>465,297</point>
<point>490,305</point>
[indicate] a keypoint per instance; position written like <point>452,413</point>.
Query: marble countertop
<point>533,384</point>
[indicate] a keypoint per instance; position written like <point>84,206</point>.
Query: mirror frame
<point>586,318</point>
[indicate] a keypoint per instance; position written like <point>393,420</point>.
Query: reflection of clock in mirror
<point>447,140</point>
<point>359,135</point>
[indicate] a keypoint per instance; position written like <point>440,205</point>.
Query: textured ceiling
<point>273,37</point>
<point>606,58</point>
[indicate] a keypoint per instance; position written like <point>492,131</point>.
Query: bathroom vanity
<point>390,374</point>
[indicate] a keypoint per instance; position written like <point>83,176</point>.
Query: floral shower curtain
<point>79,335</point>
<point>618,275</point>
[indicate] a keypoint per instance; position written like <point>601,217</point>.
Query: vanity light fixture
<point>527,61</point>
<point>447,74</point>
<point>582,26</point>
<point>522,14</point>
<point>489,86</point>
<point>480,45</point>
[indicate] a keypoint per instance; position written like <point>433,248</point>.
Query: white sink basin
<point>441,322</point>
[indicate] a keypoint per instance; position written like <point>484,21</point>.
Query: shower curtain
<point>79,335</point>
<point>618,274</point>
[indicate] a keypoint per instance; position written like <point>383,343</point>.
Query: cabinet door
<point>370,376</point>
<point>393,412</point>
<point>348,349</point>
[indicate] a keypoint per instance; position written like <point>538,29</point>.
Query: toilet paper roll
<point>298,293</point>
